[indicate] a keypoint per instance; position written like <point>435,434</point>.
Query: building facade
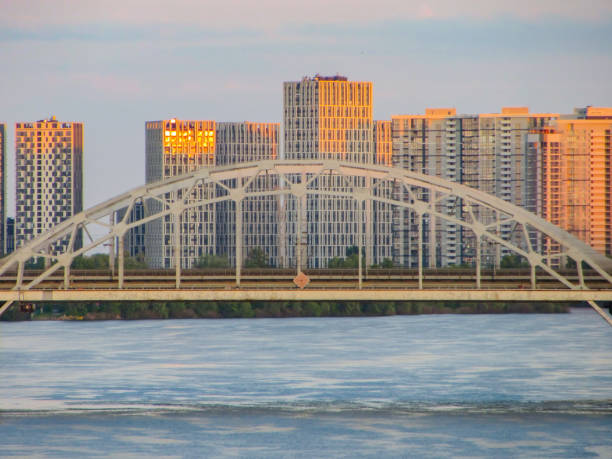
<point>247,142</point>
<point>419,144</point>
<point>10,235</point>
<point>174,147</point>
<point>574,176</point>
<point>3,232</point>
<point>489,152</point>
<point>49,176</point>
<point>330,118</point>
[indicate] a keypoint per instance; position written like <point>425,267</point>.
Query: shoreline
<point>157,310</point>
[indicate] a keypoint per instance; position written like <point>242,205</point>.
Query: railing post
<point>369,226</point>
<point>111,249</point>
<point>498,246</point>
<point>359,241</point>
<point>478,262</point>
<point>432,232</point>
<point>420,249</point>
<point>177,250</point>
<point>238,218</point>
<point>299,242</point>
<point>19,281</point>
<point>580,273</point>
<point>120,261</point>
<point>67,277</point>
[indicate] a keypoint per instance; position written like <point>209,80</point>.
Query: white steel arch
<point>300,178</point>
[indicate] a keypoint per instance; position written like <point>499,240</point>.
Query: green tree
<point>387,263</point>
<point>35,263</point>
<point>134,263</point>
<point>100,261</point>
<point>351,260</point>
<point>257,258</point>
<point>513,261</point>
<point>211,261</point>
<point>95,261</point>
<point>335,263</point>
<point>234,309</point>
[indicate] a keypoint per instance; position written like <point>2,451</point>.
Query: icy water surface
<point>412,386</point>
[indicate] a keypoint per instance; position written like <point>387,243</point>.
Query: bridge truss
<point>425,196</point>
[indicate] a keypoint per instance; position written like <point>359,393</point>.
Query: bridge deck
<point>308,294</point>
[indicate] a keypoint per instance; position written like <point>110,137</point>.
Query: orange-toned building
<point>383,143</point>
<point>49,176</point>
<point>575,175</point>
<point>328,117</point>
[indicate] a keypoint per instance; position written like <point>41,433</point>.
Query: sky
<point>115,64</point>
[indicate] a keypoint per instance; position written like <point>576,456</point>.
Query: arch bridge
<point>423,201</point>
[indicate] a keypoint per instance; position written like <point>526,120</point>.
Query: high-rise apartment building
<point>174,147</point>
<point>573,169</point>
<point>379,246</point>
<point>329,118</point>
<point>419,145</point>
<point>239,143</point>
<point>49,176</point>
<point>504,165</point>
<point>3,233</point>
<point>485,151</point>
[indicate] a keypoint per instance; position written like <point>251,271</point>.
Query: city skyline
<point>114,68</point>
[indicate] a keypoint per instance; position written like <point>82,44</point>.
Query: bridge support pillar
<point>66,277</point>
<point>238,218</point>
<point>580,273</point>
<point>432,234</point>
<point>420,249</point>
<point>120,261</point>
<point>177,250</point>
<point>19,281</point>
<point>111,248</point>
<point>533,277</point>
<point>360,241</point>
<point>300,242</point>
<point>478,260</point>
<point>369,227</point>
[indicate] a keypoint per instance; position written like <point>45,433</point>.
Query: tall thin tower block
<point>49,176</point>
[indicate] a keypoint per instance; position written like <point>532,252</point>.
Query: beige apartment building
<point>330,117</point>
<point>49,176</point>
<point>239,143</point>
<point>485,151</point>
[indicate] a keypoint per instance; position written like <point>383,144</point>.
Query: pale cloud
<point>111,85</point>
<point>114,64</point>
<point>425,11</point>
<point>270,14</point>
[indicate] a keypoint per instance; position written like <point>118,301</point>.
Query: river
<point>532,385</point>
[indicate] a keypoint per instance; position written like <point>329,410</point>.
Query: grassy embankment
<point>244,309</point>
